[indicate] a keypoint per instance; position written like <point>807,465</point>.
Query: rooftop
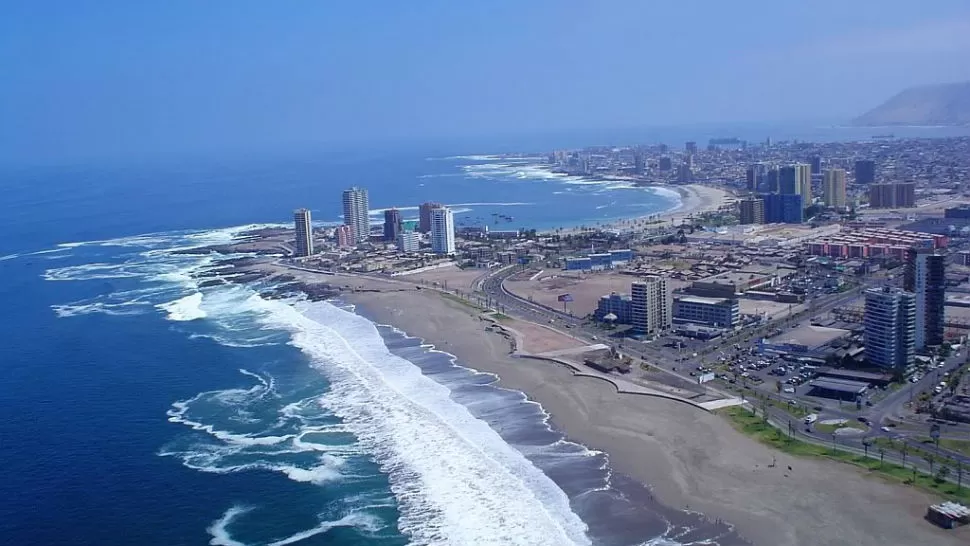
<point>840,385</point>
<point>701,300</point>
<point>811,336</point>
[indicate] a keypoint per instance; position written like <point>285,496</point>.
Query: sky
<point>85,78</point>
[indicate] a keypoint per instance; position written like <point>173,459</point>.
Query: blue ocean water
<point>142,408</point>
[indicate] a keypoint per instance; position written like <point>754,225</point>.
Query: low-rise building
<point>731,283</point>
<point>620,305</point>
<point>718,312</point>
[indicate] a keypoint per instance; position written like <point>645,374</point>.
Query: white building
<point>356,206</point>
<point>408,241</point>
<point>890,322</point>
<point>653,300</point>
<point>442,231</point>
<point>304,232</point>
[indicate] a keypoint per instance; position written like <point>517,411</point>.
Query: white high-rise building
<point>304,232</point>
<point>890,322</point>
<point>356,207</point>
<point>442,231</point>
<point>408,241</point>
<point>652,305</point>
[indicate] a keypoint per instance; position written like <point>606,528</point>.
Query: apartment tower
<point>442,231</point>
<point>304,232</point>
<point>356,207</point>
<point>652,302</point>
<point>925,277</point>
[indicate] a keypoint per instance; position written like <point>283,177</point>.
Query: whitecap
<point>219,530</point>
<point>184,309</point>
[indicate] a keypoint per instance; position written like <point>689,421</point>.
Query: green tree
<point>942,474</point>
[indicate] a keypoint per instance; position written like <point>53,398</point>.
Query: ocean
<point>141,407</point>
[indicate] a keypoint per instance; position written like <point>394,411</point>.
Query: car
<point>863,420</point>
<point>789,390</point>
<point>886,429</point>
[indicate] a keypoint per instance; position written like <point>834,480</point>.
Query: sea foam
<point>457,481</point>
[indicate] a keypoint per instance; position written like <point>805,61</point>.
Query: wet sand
<point>689,458</point>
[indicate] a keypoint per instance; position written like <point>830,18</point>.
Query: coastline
<point>695,199</point>
<point>688,458</point>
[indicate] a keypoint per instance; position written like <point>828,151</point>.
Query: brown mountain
<point>941,104</point>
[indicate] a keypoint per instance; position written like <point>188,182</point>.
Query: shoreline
<point>695,199</point>
<point>690,460</point>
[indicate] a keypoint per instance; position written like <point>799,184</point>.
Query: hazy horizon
<point>187,78</point>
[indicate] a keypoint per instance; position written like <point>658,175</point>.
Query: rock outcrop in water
<point>941,104</point>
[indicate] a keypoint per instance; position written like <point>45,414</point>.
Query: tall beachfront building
<point>424,215</point>
<point>890,327</point>
<point>392,224</point>
<point>652,305</point>
<point>833,188</point>
<point>304,232</point>
<point>356,207</point>
<point>925,277</point>
<point>442,231</point>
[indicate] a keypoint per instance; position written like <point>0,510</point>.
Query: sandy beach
<point>694,199</point>
<point>691,459</point>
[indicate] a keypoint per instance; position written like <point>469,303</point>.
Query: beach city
<point>833,292</point>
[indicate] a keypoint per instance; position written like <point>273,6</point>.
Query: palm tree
<point>930,459</point>
<point>882,455</point>
<point>904,450</point>
<point>866,442</point>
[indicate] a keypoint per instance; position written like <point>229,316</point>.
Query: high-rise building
<point>356,210</point>
<point>691,147</point>
<point>408,241</point>
<point>890,327</point>
<point>442,231</point>
<point>782,208</point>
<point>788,182</point>
<point>665,164</point>
<point>639,162</point>
<point>925,276</point>
<point>684,174</point>
<point>752,211</point>
<point>833,188</point>
<point>344,235</point>
<point>304,232</point>
<point>392,224</point>
<point>892,195</point>
<point>905,194</point>
<point>653,303</point>
<point>755,176</point>
<point>774,180</point>
<point>805,183</point>
<point>816,163</point>
<point>689,161</point>
<point>424,216</point>
<point>865,171</point>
